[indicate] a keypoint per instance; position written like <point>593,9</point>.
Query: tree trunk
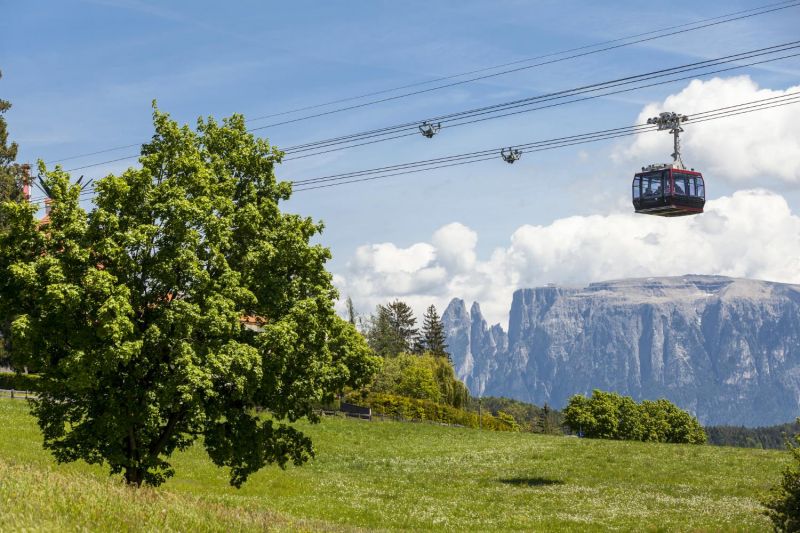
<point>134,476</point>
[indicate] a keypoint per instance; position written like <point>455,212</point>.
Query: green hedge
<point>9,380</point>
<point>413,409</point>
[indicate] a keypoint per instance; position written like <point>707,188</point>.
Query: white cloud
<point>750,234</point>
<point>455,247</point>
<point>742,149</point>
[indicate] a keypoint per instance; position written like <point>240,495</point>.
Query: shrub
<point>416,409</point>
<point>783,502</point>
<point>9,380</point>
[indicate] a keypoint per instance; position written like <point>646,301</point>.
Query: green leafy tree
<point>432,337</point>
<point>509,420</point>
<point>609,415</point>
<point>10,185</point>
<point>783,502</point>
<point>424,377</point>
<point>10,190</point>
<point>631,425</point>
<point>578,415</point>
<point>133,311</point>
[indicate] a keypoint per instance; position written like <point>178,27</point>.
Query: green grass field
<point>388,475</point>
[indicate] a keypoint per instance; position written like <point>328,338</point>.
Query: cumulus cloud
<point>740,149</point>
<point>455,247</point>
<point>750,234</point>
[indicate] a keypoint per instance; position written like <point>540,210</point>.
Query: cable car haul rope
<point>413,167</point>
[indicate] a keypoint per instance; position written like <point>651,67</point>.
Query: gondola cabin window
<point>669,192</point>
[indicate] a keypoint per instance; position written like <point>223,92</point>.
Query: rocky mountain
<point>727,350</point>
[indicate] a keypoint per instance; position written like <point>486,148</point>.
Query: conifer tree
<point>433,337</point>
<point>351,311</point>
<point>392,330</point>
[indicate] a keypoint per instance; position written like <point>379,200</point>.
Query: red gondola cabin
<point>667,191</point>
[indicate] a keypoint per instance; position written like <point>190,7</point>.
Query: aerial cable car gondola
<point>510,155</point>
<point>669,190</point>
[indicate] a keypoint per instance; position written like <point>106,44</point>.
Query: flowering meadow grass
<point>391,475</point>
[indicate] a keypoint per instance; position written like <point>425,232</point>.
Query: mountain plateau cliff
<point>726,349</point>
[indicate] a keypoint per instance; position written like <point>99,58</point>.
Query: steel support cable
<point>381,134</point>
<point>545,148</point>
<point>476,158</point>
<point>494,157</point>
<point>555,95</point>
<point>768,8</point>
<point>683,78</point>
<point>470,154</point>
<point>465,160</point>
<point>701,116</point>
<point>699,24</point>
<point>470,80</point>
<point>528,110</point>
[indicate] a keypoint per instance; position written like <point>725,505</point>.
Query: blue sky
<point>81,76</point>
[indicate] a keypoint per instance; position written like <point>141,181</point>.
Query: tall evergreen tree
<point>433,337</point>
<point>402,320</point>
<point>351,311</point>
<point>382,338</point>
<point>392,329</point>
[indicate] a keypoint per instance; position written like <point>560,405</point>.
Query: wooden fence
<point>17,394</point>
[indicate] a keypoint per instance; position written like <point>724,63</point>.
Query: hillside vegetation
<point>403,476</point>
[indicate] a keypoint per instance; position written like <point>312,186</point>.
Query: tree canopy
<point>608,415</point>
<point>182,302</point>
<point>10,186</point>
<point>10,190</point>
<point>421,376</point>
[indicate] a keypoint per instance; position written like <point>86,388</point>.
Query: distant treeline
<point>530,417</point>
<point>768,437</point>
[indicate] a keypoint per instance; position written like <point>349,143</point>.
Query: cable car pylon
<point>510,155</point>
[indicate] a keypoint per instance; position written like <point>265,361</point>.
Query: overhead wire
<point>765,8</point>
<point>648,36</point>
<point>461,118</point>
<point>487,76</point>
<point>531,147</point>
<point>495,116</point>
<point>553,95</point>
<point>705,116</point>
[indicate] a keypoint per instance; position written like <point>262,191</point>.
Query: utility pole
<point>671,121</point>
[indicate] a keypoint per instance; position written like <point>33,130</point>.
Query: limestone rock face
<point>725,349</point>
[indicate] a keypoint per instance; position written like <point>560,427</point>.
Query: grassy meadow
<point>392,476</point>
